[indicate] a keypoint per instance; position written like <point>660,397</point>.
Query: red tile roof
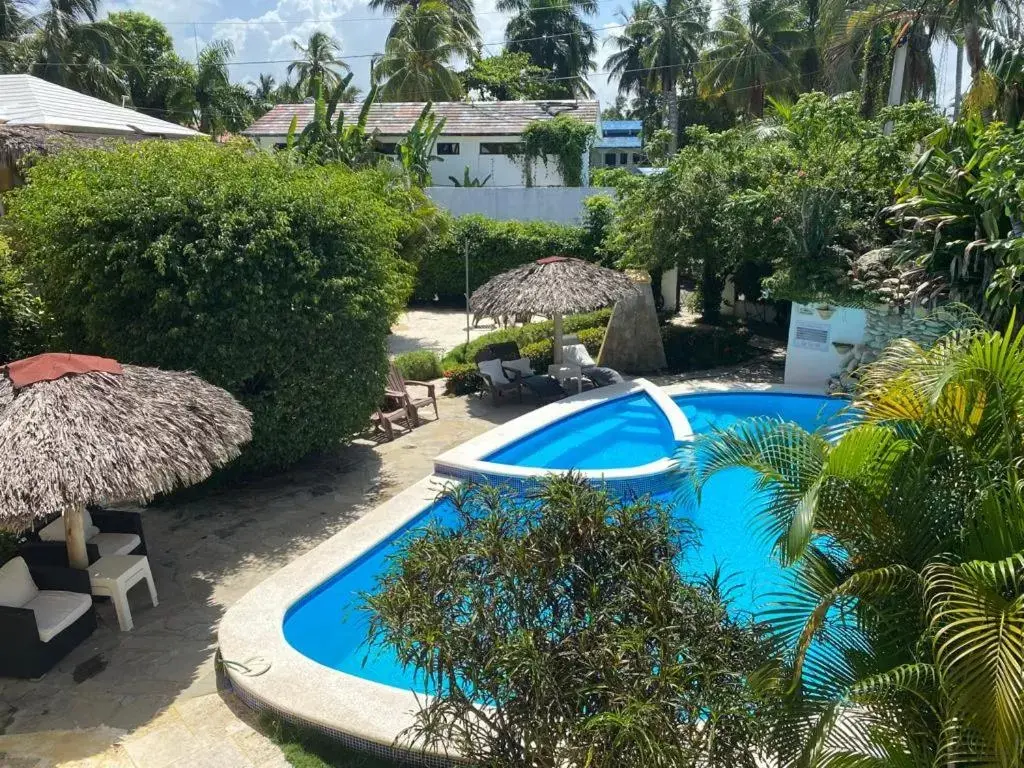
<point>463,118</point>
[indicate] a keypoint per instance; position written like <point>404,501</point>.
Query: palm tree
<point>264,94</point>
<point>1004,51</point>
<point>320,62</point>
<point>555,35</point>
<point>626,64</point>
<point>672,31</point>
<point>205,96</point>
<point>13,22</point>
<point>753,53</point>
<point>904,535</point>
<point>463,17</point>
<point>73,49</point>
<point>416,65</point>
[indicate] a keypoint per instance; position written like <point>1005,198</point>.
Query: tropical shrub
<point>960,211</point>
<point>21,311</point>
<point>696,347</point>
<point>494,247</point>
<point>420,365</point>
<point>557,630</point>
<point>276,282</point>
<point>906,539</point>
<point>797,194</point>
<point>527,334</point>
<point>461,379</point>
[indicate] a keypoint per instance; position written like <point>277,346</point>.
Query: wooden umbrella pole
<point>557,351</point>
<point>74,537</point>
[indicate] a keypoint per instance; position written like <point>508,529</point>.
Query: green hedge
<point>494,247</point>
<point>421,365</point>
<point>696,347</point>
<point>21,312</point>
<point>278,283</point>
<point>527,334</point>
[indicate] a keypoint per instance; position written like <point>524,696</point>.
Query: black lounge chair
<point>119,533</point>
<point>515,373</point>
<point>45,612</point>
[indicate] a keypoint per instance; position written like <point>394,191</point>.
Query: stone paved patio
<point>149,698</point>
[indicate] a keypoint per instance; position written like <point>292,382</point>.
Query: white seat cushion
<point>57,610</point>
<point>576,354</point>
<point>521,366</point>
<point>493,370</point>
<point>16,585</point>
<point>55,530</point>
<point>115,543</point>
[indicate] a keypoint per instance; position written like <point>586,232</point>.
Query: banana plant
<point>329,140</point>
<point>416,150</point>
<point>468,181</point>
<point>959,211</point>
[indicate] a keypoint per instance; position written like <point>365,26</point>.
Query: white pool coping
<point>269,673</point>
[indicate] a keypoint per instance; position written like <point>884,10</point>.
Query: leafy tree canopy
<point>557,630</point>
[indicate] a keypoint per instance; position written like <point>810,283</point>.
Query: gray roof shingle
<point>463,118</point>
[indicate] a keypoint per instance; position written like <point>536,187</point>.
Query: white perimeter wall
<point>811,364</point>
<point>563,205</point>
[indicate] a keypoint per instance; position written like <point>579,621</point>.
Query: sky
<point>262,32</point>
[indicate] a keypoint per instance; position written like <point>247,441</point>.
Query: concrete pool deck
<point>149,698</point>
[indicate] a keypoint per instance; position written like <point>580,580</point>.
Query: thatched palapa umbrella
<point>77,430</point>
<point>554,286</point>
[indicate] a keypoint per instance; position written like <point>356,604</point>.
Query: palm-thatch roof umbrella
<point>77,430</point>
<point>554,286</point>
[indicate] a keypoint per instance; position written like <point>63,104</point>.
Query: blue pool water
<point>628,432</point>
<point>722,410</point>
<point>328,626</point>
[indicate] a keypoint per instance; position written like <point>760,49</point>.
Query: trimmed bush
<point>494,247</point>
<point>527,334</point>
<point>421,365</point>
<point>277,283</point>
<point>592,339</point>
<point>461,379</point>
<point>695,347</point>
<point>541,353</point>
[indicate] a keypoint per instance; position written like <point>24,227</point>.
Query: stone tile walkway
<point>149,698</point>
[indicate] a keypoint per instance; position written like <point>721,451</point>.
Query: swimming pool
<point>720,410</point>
<point>626,432</point>
<point>328,626</point>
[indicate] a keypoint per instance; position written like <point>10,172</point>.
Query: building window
<point>623,158</point>
<point>281,145</point>
<point>501,148</point>
<point>636,158</point>
<point>448,148</point>
<point>387,147</point>
<point>609,159</point>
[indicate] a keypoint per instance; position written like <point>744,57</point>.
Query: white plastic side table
<point>567,372</point>
<point>112,576</point>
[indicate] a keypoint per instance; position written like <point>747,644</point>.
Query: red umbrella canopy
<point>53,365</point>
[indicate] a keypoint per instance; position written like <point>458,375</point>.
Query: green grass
<point>308,749</point>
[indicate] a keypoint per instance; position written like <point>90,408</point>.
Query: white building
<point>479,136</point>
